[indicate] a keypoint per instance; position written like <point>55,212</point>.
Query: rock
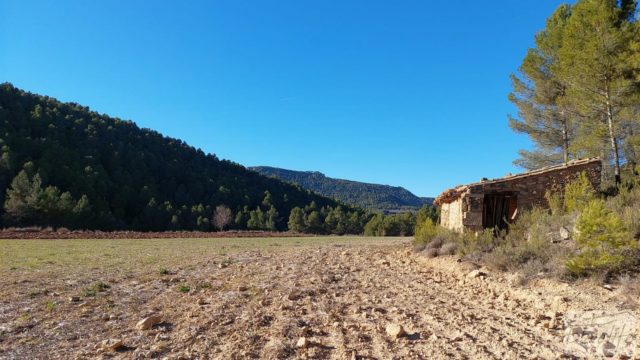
<point>576,331</point>
<point>476,273</point>
<point>105,317</point>
<point>159,347</point>
<point>202,301</point>
<point>294,295</point>
<point>606,349</point>
<point>559,303</point>
<point>242,288</point>
<point>74,298</point>
<point>564,233</point>
<point>111,344</point>
<point>302,342</point>
<point>148,322</point>
<point>395,330</point>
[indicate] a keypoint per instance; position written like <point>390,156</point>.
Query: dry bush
<point>448,249</point>
<point>529,247</point>
<point>436,242</point>
<point>430,253</point>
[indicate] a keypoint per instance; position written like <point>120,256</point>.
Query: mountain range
<point>370,196</point>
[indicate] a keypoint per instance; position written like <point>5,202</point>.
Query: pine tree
<point>296,220</point>
<point>538,93</point>
<point>23,198</point>
<point>595,63</point>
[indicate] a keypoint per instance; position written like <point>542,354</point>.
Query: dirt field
<point>273,298</point>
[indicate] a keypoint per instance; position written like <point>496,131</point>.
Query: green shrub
<point>425,232</point>
<point>164,271</point>
<point>578,193</point>
<point>602,240</point>
<point>184,288</point>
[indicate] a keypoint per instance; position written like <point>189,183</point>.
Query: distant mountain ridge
<point>371,196</point>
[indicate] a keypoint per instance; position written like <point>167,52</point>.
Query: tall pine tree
<point>538,93</point>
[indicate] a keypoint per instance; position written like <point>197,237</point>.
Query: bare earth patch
<point>272,298</point>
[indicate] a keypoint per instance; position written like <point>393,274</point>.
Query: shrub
<point>578,193</point>
<point>602,240</point>
<point>431,253</point>
<point>436,242</point>
<point>164,271</point>
<point>425,232</point>
<point>528,247</point>
<point>448,249</point>
<point>473,245</point>
<point>184,288</point>
<point>555,202</point>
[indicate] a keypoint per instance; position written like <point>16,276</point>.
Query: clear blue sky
<point>408,93</point>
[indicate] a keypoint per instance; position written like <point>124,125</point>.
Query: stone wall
<point>451,215</point>
<point>530,189</point>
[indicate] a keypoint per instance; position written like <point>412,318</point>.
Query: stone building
<point>494,203</point>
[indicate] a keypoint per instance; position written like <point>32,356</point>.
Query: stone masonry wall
<point>530,190</point>
<point>451,215</point>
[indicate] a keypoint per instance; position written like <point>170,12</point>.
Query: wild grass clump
<point>94,289</point>
<point>184,288</point>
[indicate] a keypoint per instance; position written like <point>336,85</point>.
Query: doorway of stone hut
<point>499,210</point>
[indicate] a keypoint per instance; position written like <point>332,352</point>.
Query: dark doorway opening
<point>499,210</point>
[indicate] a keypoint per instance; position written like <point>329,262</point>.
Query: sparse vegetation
<point>184,288</point>
<point>51,305</point>
<point>94,289</point>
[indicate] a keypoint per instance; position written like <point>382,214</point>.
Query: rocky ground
<point>370,300</point>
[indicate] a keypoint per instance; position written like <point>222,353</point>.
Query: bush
<point>578,193</point>
<point>431,253</point>
<point>602,240</point>
<point>436,242</point>
<point>448,249</point>
<point>555,202</point>
<point>528,246</point>
<point>474,245</point>
<point>627,205</point>
<point>425,232</point>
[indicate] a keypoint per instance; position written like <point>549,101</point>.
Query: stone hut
<point>492,204</point>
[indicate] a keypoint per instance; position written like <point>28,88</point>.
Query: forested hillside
<point>62,164</point>
<point>371,196</point>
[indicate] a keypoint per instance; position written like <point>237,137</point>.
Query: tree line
<point>578,89</point>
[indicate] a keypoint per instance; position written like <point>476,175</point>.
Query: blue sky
<point>407,93</point>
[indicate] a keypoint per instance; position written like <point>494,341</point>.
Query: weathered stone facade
<point>490,203</point>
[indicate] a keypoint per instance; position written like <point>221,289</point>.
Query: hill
<point>371,196</point>
<point>62,164</point>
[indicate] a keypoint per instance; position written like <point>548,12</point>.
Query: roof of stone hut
<point>455,193</point>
